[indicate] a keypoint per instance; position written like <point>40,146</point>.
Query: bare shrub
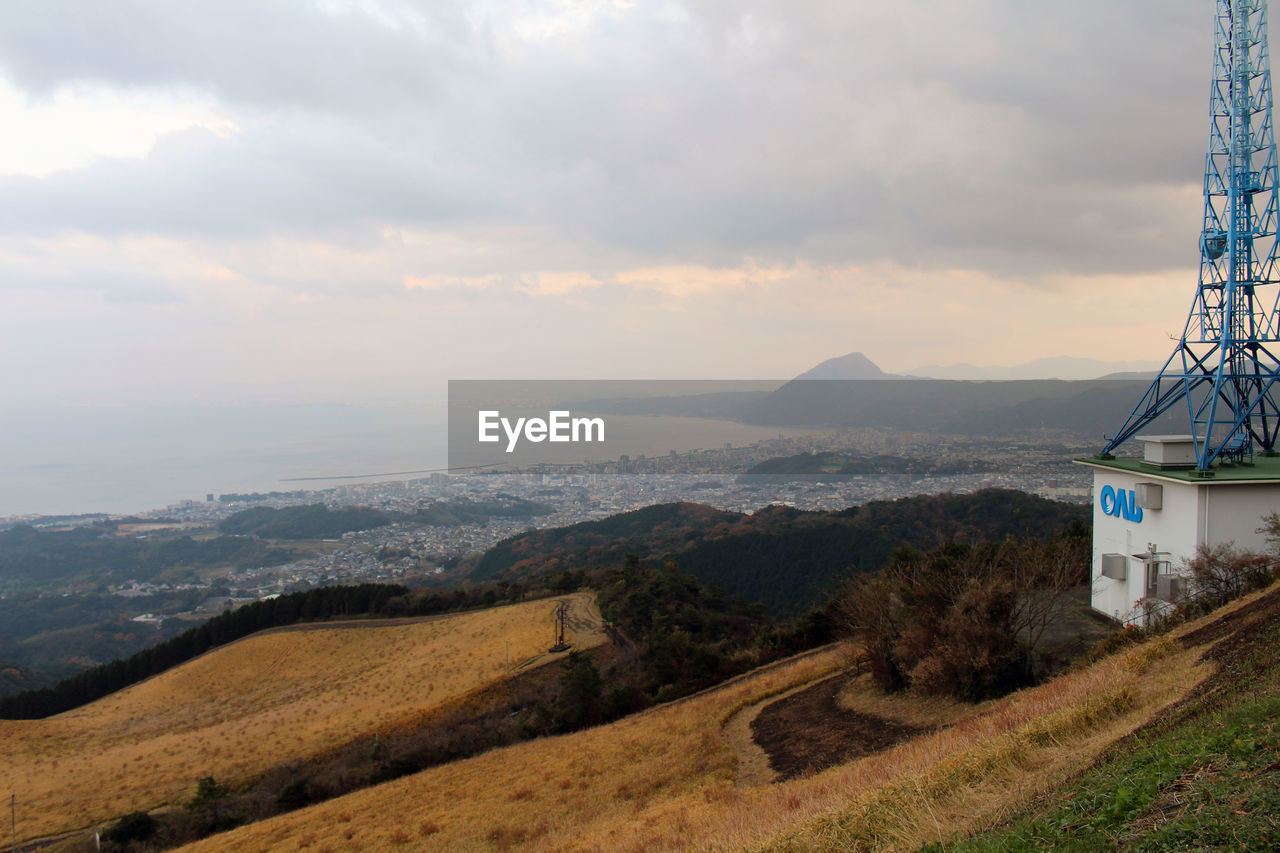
<point>1223,572</point>
<point>961,621</point>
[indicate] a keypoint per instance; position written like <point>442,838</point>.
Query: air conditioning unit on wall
<point>1115,566</point>
<point>1169,588</point>
<point>1149,495</point>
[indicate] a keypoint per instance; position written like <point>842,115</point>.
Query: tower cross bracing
<point>1225,369</point>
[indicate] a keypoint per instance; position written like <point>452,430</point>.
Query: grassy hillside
<point>94,683</point>
<point>680,776</point>
<point>788,559</point>
<point>1204,774</point>
<point>255,703</point>
<point>555,792</point>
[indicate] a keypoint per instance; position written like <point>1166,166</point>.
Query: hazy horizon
<point>220,204</point>
<point>237,202</point>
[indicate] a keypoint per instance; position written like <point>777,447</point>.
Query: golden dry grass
<point>549,793</point>
<point>923,711</point>
<point>664,780</point>
<point>979,771</point>
<point>265,699</point>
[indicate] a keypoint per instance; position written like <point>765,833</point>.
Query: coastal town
<point>904,464</point>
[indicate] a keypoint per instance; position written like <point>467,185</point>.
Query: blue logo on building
<point>1120,503</point>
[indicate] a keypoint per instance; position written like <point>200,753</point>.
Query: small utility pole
<point>562,616</point>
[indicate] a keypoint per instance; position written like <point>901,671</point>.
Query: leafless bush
<point>960,620</point>
<point>1223,572</point>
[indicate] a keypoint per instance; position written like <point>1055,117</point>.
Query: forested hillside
<point>601,542</point>
<point>93,555</point>
<point>790,560</point>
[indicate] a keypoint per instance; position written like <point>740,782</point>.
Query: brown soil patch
<point>808,731</point>
<point>751,763</point>
<point>1230,639</point>
<point>1252,615</point>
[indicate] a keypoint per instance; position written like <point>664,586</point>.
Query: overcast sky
<point>248,199</point>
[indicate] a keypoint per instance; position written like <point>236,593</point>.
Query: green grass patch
<point>1210,784</point>
<point>1205,776</point>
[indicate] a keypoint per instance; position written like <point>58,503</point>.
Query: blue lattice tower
<point>1224,368</point>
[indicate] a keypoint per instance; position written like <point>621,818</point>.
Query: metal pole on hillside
<point>13,822</point>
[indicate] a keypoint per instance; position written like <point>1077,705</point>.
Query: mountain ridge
<point>857,365</point>
<point>853,365</point>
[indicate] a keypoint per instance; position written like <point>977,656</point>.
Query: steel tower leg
<point>1224,367</point>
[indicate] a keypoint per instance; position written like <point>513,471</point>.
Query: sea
<point>63,460</point>
<point>68,460</point>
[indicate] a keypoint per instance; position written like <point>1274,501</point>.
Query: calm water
<point>128,459</point>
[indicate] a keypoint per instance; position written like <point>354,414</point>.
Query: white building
<point>1151,514</point>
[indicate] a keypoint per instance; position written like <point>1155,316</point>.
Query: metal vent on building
<point>1169,587</point>
<point>1115,566</point>
<point>1149,495</point>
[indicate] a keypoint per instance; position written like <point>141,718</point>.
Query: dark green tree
<point>208,789</point>
<point>135,826</point>
<point>579,703</point>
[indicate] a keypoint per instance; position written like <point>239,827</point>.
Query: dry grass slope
<point>628,784</point>
<point>665,780</point>
<point>266,699</point>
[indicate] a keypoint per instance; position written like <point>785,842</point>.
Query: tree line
<point>791,560</point>
<point>363,600</point>
<point>93,684</point>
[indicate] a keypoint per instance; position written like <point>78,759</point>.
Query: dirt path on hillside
<point>806,730</point>
<point>751,763</point>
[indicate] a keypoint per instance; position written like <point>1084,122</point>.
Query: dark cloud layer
<point>1025,138</point>
<point>267,54</point>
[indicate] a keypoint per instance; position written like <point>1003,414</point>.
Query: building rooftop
<point>1262,469</point>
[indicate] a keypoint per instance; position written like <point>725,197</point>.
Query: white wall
<point>1234,513</point>
<point>1174,528</point>
<point>1192,513</point>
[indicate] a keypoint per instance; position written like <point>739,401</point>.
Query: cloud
<point>80,123</point>
<point>263,54</point>
<point>87,265</point>
<point>334,181</point>
<point>990,132</point>
<point>387,188</point>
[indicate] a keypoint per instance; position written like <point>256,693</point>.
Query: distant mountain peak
<point>855,365</point>
<point>1057,367</point>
